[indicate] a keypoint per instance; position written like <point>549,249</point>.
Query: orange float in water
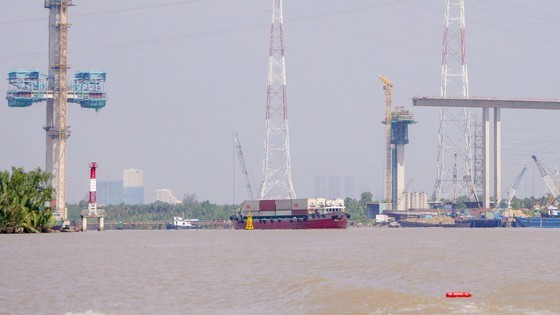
<point>458,294</point>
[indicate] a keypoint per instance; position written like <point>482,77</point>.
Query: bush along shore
<point>24,201</point>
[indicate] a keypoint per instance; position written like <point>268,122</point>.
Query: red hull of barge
<point>329,222</point>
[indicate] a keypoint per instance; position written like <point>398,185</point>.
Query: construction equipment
<point>243,167</point>
<point>546,177</point>
<point>405,191</point>
<point>510,193</point>
<point>388,86</point>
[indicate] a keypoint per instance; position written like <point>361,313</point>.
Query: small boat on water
<point>70,228</point>
<point>180,223</point>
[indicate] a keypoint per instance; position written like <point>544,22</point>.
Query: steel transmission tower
<point>454,135</point>
<point>277,174</point>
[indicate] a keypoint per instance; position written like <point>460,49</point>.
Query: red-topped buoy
<point>458,294</point>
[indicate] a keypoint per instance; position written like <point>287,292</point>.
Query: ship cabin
<point>330,209</point>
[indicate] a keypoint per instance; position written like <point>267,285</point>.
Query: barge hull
<point>541,222</point>
<point>297,223</point>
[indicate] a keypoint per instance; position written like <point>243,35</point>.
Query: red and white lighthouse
<point>92,211</point>
<point>92,205</point>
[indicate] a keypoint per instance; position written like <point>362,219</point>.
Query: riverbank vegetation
<point>25,196</point>
<point>24,199</point>
<point>190,208</point>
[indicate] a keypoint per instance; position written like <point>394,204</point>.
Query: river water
<point>352,271</point>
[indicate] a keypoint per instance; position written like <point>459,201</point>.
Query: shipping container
<point>283,204</point>
<point>267,205</point>
<point>339,202</point>
<point>299,212</point>
<point>303,203</point>
<point>284,212</point>
<point>250,205</point>
<point>320,202</point>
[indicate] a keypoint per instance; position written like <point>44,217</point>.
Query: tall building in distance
<point>334,187</point>
<point>320,186</point>
<point>110,192</point>
<point>331,186</point>
<point>166,195</point>
<point>133,186</point>
<point>349,187</point>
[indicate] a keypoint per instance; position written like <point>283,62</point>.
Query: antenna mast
<point>277,174</point>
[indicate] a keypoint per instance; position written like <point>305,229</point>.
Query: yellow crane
<point>387,86</point>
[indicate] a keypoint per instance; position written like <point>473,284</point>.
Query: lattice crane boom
<point>405,191</point>
<point>388,86</point>
<point>546,177</point>
<point>510,193</point>
<point>243,166</point>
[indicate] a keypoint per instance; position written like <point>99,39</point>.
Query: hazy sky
<point>182,76</point>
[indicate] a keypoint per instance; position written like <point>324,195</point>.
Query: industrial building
<point>166,195</point>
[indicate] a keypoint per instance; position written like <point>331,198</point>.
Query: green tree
<point>23,200</point>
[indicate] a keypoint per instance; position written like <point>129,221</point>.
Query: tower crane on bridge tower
<point>388,86</point>
<point>243,167</point>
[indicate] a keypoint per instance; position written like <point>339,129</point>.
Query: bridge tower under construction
<point>87,88</point>
<point>400,119</point>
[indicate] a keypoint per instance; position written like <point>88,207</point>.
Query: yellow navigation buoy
<point>249,225</point>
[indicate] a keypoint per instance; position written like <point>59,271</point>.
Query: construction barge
<point>306,213</point>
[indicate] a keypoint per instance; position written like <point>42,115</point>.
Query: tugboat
<point>180,223</point>
<point>307,213</point>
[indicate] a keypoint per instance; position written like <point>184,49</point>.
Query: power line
<point>130,9</point>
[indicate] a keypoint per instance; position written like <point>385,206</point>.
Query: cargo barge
<point>416,222</point>
<point>538,222</point>
<point>307,213</point>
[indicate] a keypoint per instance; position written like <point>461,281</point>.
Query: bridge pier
<point>100,216</point>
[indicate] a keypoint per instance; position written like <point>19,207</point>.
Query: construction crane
<point>546,177</point>
<point>388,86</point>
<point>510,193</point>
<point>404,192</point>
<point>243,167</point>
